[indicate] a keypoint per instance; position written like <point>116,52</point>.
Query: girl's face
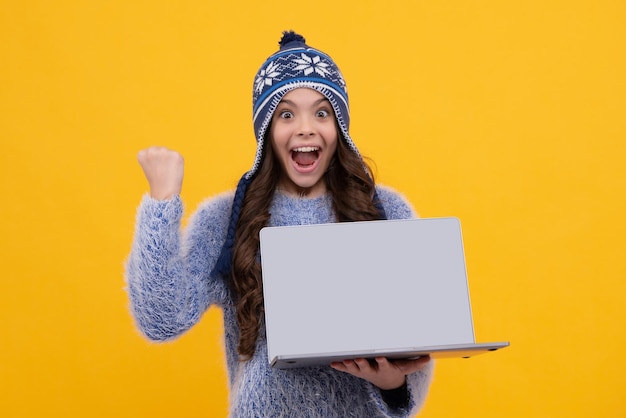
<point>304,138</point>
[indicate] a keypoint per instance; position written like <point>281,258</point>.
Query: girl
<point>307,170</point>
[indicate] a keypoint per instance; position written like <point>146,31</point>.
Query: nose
<point>306,127</point>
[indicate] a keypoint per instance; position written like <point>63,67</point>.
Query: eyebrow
<point>317,102</point>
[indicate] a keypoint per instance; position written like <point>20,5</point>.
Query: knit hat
<point>295,65</point>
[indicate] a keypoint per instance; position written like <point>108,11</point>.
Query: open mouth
<point>305,157</point>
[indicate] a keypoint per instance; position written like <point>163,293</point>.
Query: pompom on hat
<point>294,65</point>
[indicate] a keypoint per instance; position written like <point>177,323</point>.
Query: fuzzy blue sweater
<point>170,287</point>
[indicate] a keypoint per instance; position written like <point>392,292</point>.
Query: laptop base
<point>436,352</point>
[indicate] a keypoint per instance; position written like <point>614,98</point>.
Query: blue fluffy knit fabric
<point>169,284</point>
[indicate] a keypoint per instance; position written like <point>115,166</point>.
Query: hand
<point>383,373</point>
<point>163,169</point>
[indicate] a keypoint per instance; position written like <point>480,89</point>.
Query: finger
<point>355,367</point>
<point>337,365</point>
<point>363,364</point>
<point>413,365</point>
<point>351,366</point>
<point>384,364</point>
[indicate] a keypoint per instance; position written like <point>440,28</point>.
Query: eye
<point>322,113</point>
<point>285,114</point>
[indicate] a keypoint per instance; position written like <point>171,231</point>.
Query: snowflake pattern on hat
<point>266,76</point>
<point>301,64</point>
<point>308,65</point>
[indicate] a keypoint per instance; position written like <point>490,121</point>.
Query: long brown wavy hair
<point>351,186</point>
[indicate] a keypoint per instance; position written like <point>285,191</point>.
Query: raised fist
<point>163,169</point>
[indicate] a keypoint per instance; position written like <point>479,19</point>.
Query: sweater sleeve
<point>167,271</point>
<point>397,207</point>
<point>418,384</point>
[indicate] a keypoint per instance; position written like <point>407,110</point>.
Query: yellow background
<point>509,115</point>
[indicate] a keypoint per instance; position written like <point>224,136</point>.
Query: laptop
<point>393,288</point>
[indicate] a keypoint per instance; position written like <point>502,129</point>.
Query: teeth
<point>306,149</point>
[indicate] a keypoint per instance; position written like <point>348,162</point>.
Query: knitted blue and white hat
<point>295,65</point>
